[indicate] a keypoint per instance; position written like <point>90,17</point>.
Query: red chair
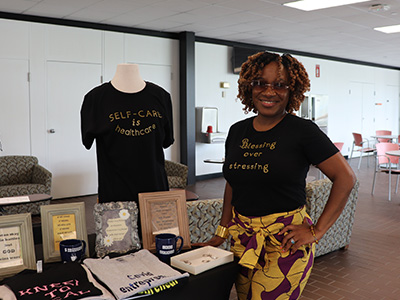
<point>339,145</point>
<point>383,132</point>
<point>388,164</point>
<point>360,143</point>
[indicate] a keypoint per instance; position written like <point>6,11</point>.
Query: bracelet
<point>222,232</point>
<point>312,229</point>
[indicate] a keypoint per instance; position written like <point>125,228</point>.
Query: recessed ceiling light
<point>308,5</point>
<point>389,29</point>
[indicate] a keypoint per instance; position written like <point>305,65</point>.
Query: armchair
<point>177,174</point>
<point>338,236</point>
<point>22,175</point>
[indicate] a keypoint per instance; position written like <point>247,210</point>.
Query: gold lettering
<point>245,144</point>
<point>249,154</point>
<point>116,114</point>
<point>140,113</point>
<point>157,114</point>
<point>111,117</point>
<point>255,166</point>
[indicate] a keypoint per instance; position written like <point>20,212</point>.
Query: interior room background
<point>45,71</point>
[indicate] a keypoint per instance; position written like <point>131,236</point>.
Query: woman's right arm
<point>225,218</point>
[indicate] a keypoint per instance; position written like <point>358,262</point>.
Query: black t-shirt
<point>267,170</point>
<point>58,281</point>
<point>131,130</point>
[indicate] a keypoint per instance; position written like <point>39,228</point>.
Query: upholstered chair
<point>177,174</point>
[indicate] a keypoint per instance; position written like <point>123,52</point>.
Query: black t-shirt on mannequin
<point>131,121</point>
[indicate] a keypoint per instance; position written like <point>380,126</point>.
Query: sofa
<point>22,175</point>
<point>204,216</point>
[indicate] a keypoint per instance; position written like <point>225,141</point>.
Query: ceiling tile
<point>344,31</point>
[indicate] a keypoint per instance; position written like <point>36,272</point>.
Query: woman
<point>266,163</point>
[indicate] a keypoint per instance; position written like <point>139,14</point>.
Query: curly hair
<point>299,82</point>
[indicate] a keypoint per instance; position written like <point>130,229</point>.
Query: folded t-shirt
<point>57,281</point>
<point>131,274</point>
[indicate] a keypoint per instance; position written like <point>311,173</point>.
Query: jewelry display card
<point>199,260</point>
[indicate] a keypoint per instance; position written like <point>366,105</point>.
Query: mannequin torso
<point>127,79</point>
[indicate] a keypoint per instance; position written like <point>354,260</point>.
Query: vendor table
<point>214,284</point>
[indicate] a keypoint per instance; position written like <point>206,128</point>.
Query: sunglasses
<point>261,84</point>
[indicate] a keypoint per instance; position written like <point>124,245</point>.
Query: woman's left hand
<point>297,236</point>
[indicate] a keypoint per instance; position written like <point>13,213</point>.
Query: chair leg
<point>359,163</point>
<point>390,186</point>
<point>373,183</point>
<point>351,152</point>
<point>397,184</point>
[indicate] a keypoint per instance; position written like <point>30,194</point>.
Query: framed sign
<point>163,212</point>
<point>116,227</point>
<point>17,249</point>
<point>62,222</point>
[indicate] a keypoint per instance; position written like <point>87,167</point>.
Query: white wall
<point>51,53</point>
<point>40,45</point>
<point>336,79</point>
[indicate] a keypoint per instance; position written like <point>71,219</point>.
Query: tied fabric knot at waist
<point>255,237</point>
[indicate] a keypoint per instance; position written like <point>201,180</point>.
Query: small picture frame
<point>16,244</point>
<point>62,222</point>
<point>116,227</point>
<point>163,212</point>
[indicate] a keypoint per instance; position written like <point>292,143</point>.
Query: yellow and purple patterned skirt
<point>267,272</point>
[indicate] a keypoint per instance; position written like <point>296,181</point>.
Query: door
<point>368,110</point>
<point>362,107</point>
<point>392,108</point>
<point>74,168</point>
<point>14,108</point>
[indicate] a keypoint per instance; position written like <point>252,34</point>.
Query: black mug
<point>72,250</point>
<point>166,246</point>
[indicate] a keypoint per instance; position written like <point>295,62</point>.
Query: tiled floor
<point>369,269</point>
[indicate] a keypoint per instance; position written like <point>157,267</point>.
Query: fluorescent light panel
<point>308,5</point>
<point>389,29</point>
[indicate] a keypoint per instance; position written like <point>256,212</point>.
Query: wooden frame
<point>22,246</point>
<point>163,212</point>
<point>116,227</point>
<point>53,216</point>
